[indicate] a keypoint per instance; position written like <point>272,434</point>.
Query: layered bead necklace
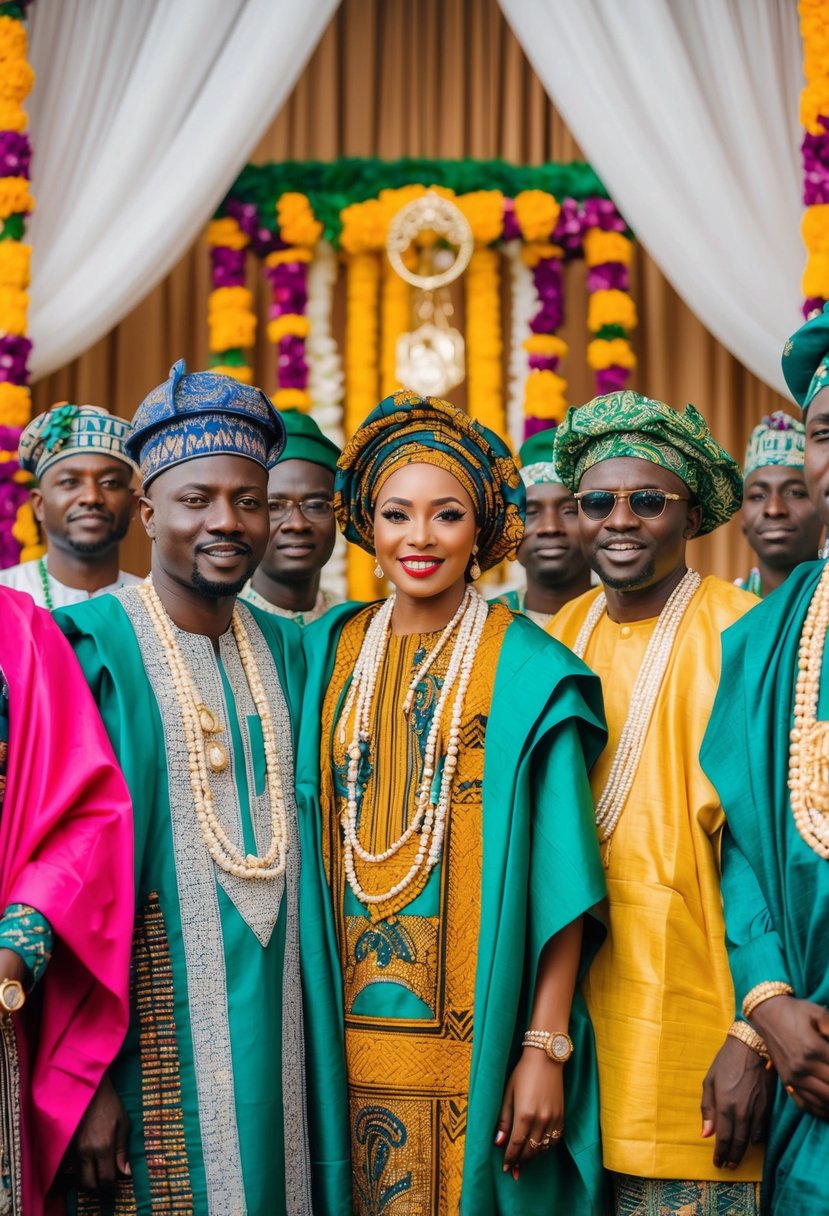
<point>200,727</point>
<point>809,738</point>
<point>613,797</point>
<point>429,818</point>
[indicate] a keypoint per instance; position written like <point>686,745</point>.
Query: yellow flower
<point>614,353</point>
<point>25,529</point>
<point>815,281</point>
<point>231,321</point>
<point>14,264</point>
<point>601,247</point>
<point>545,395</point>
<point>14,42</point>
<point>291,399</point>
<point>396,319</point>
<point>537,214</point>
<point>483,339</point>
<point>15,196</point>
<point>12,117</point>
<point>484,210</point>
<point>15,405</point>
<point>534,251</point>
<point>16,80</point>
<point>364,227</point>
<point>610,308</point>
<point>14,308</point>
<point>814,228</point>
<point>547,345</point>
<point>297,225</point>
<point>814,101</point>
<point>284,257</point>
<point>226,233</point>
<point>392,201</point>
<point>289,325</point>
<point>242,374</point>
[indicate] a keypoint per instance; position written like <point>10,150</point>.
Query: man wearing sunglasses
<point>647,479</point>
<point>303,531</point>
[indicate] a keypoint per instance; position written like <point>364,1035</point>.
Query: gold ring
<point>555,1134</point>
<point>789,1089</point>
<point>534,1144</point>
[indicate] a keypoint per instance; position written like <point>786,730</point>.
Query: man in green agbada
<point>775,863</point>
<point>204,1110</point>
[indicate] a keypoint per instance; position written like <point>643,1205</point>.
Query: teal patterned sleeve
<point>29,934</point>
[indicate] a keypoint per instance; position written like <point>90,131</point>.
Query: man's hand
<point>797,1036</point>
<point>736,1100</point>
<point>100,1144</point>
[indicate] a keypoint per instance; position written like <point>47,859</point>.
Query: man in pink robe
<point>66,880</point>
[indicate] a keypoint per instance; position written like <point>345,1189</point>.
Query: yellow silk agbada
<point>659,990</point>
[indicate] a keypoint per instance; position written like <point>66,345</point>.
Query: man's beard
<point>626,584</point>
<point>216,591</point>
<point>96,547</point>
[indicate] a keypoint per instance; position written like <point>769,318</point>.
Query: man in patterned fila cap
<point>778,518</point>
<point>648,479</point>
<point>766,751</point>
<point>84,501</point>
<point>204,1110</point>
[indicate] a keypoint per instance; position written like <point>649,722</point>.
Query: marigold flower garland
<point>814,115</point>
<point>231,321</point>
<point>611,313</point>
<point>19,536</point>
<point>361,385</point>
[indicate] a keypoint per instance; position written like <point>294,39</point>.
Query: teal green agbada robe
<point>775,887</point>
<point>541,870</point>
<point>106,646</point>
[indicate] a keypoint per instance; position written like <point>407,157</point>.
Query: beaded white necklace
<point>809,739</point>
<point>643,698</point>
<point>200,724</point>
<point>429,817</point>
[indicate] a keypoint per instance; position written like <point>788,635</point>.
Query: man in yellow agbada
<point>648,478</point>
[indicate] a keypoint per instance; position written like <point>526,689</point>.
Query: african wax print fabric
<point>407,429</point>
<point>778,440</point>
<point>664,955</point>
<point>203,414</point>
<point>775,886</point>
<point>663,1197</point>
<point>536,729</point>
<point>806,359</point>
<point>627,424</point>
<point>211,1070</point>
<point>73,430</point>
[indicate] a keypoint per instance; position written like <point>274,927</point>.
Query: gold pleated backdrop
<point>434,78</point>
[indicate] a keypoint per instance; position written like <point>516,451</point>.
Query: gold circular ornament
<point>216,756</point>
<point>431,213</point>
<point>208,721</point>
<point>12,996</point>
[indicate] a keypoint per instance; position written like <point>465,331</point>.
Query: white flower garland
<point>523,305</point>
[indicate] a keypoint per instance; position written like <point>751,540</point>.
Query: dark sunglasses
<point>646,504</point>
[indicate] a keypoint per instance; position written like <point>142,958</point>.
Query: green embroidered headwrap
<point>806,359</point>
<point>777,440</point>
<point>628,424</point>
<point>305,441</point>
<point>73,430</point>
<point>535,458</point>
<point>408,429</point>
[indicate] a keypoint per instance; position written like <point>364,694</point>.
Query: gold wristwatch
<point>12,996</point>
<point>557,1045</point>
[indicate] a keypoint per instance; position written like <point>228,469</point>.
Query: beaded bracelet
<point>746,1034</point>
<point>764,992</point>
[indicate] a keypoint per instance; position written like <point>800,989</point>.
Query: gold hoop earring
<point>379,572</point>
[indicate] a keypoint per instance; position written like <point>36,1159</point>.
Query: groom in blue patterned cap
<point>204,1108</point>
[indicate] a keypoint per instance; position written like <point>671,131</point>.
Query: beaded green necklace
<point>44,582</point>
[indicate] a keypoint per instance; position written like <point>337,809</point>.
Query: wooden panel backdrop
<point>435,78</point>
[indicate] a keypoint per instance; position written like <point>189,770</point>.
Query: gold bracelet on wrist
<point>748,1035</point>
<point>764,992</point>
<point>557,1044</point>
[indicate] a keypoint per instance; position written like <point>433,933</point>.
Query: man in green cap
<point>778,519</point>
<point>647,479</point>
<point>766,752</point>
<point>555,567</point>
<point>303,531</point>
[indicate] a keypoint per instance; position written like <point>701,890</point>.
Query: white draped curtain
<point>143,113</point>
<point>688,111</point>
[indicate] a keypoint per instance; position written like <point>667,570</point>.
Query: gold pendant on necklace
<point>214,751</point>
